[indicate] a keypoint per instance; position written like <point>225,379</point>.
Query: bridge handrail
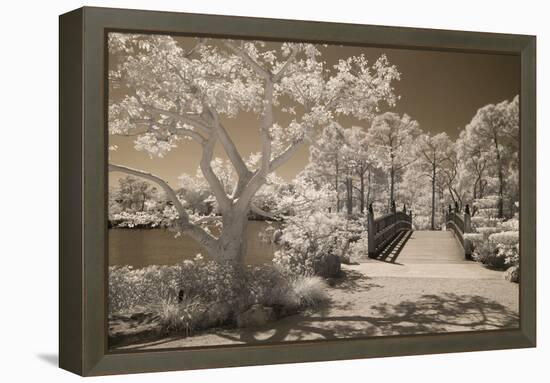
<point>455,223</point>
<point>460,224</point>
<point>382,230</point>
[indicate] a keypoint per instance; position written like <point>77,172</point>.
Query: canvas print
<point>268,191</point>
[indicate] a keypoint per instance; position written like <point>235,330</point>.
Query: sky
<point>441,90</point>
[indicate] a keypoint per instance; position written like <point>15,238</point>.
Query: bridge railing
<point>382,230</point>
<point>460,224</point>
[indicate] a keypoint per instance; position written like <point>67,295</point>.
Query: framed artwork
<point>240,191</point>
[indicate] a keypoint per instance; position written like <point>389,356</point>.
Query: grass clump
<point>311,291</point>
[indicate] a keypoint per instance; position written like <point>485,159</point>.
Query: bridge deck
<point>430,254</point>
<point>432,247</point>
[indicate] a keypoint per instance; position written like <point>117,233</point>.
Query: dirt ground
<point>380,305</point>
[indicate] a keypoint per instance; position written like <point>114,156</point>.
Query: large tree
<point>172,92</point>
<point>326,164</point>
<point>341,157</point>
<point>360,162</point>
<point>435,151</point>
<point>497,126</point>
<point>391,137</point>
<point>474,161</point>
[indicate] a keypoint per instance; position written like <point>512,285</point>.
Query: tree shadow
<point>429,314</point>
<point>353,281</point>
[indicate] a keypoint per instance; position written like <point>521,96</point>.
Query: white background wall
<point>29,176</point>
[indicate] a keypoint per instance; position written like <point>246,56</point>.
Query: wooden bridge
<point>388,236</point>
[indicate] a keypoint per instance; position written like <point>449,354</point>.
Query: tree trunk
<point>500,178</point>
<point>349,195</point>
<point>231,245</point>
<point>433,197</point>
<point>368,188</point>
<point>452,194</point>
<point>500,188</point>
<point>392,184</point>
<point>336,186</point>
<point>362,191</point>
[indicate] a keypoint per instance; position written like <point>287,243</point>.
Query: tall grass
<point>199,294</point>
<point>311,291</point>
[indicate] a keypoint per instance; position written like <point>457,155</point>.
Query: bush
<point>360,248</point>
<point>510,225</point>
<point>308,243</point>
<point>311,291</point>
<point>495,247</point>
<point>487,254</point>
<point>143,219</point>
<point>507,238</point>
<point>512,274</point>
<point>130,288</point>
<point>185,316</point>
<point>487,230</point>
<point>199,294</point>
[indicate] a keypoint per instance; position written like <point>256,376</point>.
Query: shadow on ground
<point>353,281</point>
<point>428,314</point>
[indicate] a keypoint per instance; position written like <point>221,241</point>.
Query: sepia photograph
<point>262,192</point>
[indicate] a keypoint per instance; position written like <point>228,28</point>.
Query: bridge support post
<point>468,247</point>
<point>371,230</point>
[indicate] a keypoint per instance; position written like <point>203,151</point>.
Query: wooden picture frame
<point>83,182</point>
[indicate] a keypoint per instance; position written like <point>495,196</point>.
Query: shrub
<point>310,242</point>
<point>269,286</point>
<point>479,221</point>
<point>512,274</point>
<point>185,316</point>
<point>130,288</point>
<point>360,248</point>
<point>487,254</point>
<point>510,225</point>
<point>475,238</point>
<point>143,219</point>
<point>487,230</point>
<point>198,294</point>
<point>507,238</point>
<point>311,291</point>
<point>496,246</point>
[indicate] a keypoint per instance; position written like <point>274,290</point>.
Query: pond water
<point>143,247</point>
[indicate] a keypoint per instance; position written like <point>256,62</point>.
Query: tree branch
<point>260,71</point>
<point>230,148</point>
<point>194,231</point>
<point>213,180</point>
<point>279,75</point>
<point>256,210</point>
<point>170,193</point>
<point>187,119</point>
<point>266,124</point>
<point>285,156</point>
<point>207,218</point>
